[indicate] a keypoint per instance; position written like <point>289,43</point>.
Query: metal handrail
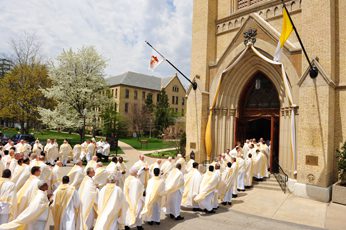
<point>281,177</point>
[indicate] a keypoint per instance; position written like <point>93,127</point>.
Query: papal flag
<point>155,61</point>
<point>287,29</point>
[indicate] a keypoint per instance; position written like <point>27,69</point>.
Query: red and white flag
<point>155,61</point>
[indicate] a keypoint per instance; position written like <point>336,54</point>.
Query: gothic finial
<point>250,36</point>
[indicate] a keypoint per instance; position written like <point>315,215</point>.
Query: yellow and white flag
<point>155,61</point>
<point>287,29</point>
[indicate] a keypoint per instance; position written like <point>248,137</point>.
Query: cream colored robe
<point>191,188</point>
<point>65,152</point>
<point>100,178</point>
<point>155,191</point>
<point>76,176</point>
<point>207,189</point>
<point>91,164</point>
<point>66,208</point>
<point>111,208</point>
<point>8,198</point>
<point>34,217</point>
<point>22,176</point>
<point>88,194</point>
<point>27,193</point>
<point>77,150</point>
<point>56,177</point>
<point>174,185</point>
<point>122,168</point>
<point>133,191</point>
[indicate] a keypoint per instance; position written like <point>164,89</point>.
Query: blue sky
<point>117,28</point>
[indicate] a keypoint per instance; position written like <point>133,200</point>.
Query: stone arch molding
<point>237,76</point>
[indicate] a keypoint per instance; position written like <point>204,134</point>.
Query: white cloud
<point>117,28</point>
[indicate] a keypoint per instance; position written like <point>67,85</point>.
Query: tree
<point>20,95</point>
<point>113,123</point>
<point>148,111</point>
<point>164,116</point>
<point>78,87</point>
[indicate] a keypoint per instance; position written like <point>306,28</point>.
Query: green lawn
<point>153,143</point>
<point>165,154</point>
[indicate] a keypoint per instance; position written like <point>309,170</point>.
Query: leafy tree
<point>24,76</point>
<point>164,116</point>
<point>113,123</point>
<point>78,87</point>
<point>20,95</point>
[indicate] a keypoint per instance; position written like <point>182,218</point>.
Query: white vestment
<point>8,200</point>
<point>174,186</point>
<point>235,169</point>
<point>22,176</point>
<point>77,150</point>
<point>76,176</point>
<point>226,185</point>
<point>248,172</point>
<point>166,167</point>
<point>34,217</point>
<point>261,166</point>
<point>27,193</point>
<point>189,165</point>
<point>241,173</point>
<point>111,208</point>
<point>88,194</point>
<point>100,178</point>
<point>143,174</point>
<point>65,152</point>
<point>152,206</point>
<point>191,188</point>
<point>90,151</point>
<point>122,172</point>
<point>56,177</point>
<point>133,191</point>
<point>206,196</point>
<point>66,208</point>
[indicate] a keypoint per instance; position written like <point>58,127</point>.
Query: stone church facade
<point>251,98</point>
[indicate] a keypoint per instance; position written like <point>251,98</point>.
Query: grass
<point>164,154</point>
<point>153,143</point>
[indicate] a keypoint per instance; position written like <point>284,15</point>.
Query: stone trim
<point>267,11</point>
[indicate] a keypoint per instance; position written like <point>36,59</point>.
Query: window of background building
<point>176,110</point>
<point>136,95</point>
<point>157,97</point>
<point>182,112</point>
<point>173,98</point>
<point>116,107</point>
<point>127,93</point>
<point>126,107</point>
<point>112,92</point>
<point>175,89</point>
<point>116,93</point>
<point>135,108</point>
<point>176,100</point>
<point>182,101</point>
<point>143,95</point>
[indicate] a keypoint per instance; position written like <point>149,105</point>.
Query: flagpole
<point>193,83</point>
<point>313,70</point>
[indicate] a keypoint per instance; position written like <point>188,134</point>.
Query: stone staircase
<point>267,184</point>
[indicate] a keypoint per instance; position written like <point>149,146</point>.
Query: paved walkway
<point>157,151</point>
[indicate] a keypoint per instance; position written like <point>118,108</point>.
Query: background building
<point>253,100</point>
<point>130,90</point>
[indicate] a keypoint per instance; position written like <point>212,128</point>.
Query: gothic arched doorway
<point>258,115</point>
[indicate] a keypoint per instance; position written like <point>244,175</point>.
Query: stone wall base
<point>310,191</point>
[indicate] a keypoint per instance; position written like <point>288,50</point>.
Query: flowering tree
<point>79,88</point>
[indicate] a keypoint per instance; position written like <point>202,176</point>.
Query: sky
<point>118,30</point>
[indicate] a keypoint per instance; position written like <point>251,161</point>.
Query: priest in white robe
<point>101,174</point>
<point>241,173</point>
<point>91,163</point>
<point>226,185</point>
<point>153,166</point>
<point>65,152</point>
<point>56,175</point>
<point>35,216</point>
<point>133,191</point>
<point>142,170</point>
<point>91,150</point>
<point>261,165</point>
<point>122,172</point>
<point>49,152</point>
<point>8,198</point>
<point>66,207</point>
<point>76,174</point>
<point>192,182</point>
<point>27,193</point>
<point>111,206</point>
<point>154,192</point>
<point>174,186</point>
<point>37,148</point>
<point>22,174</point>
<point>88,194</point>
<point>235,168</point>
<point>190,162</point>
<point>205,198</point>
<point>180,160</point>
<point>77,150</point>
<point>167,166</point>
<point>248,171</point>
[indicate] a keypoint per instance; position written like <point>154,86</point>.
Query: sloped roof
<point>136,80</point>
<point>165,81</point>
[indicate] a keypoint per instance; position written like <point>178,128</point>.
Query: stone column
<point>231,128</point>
